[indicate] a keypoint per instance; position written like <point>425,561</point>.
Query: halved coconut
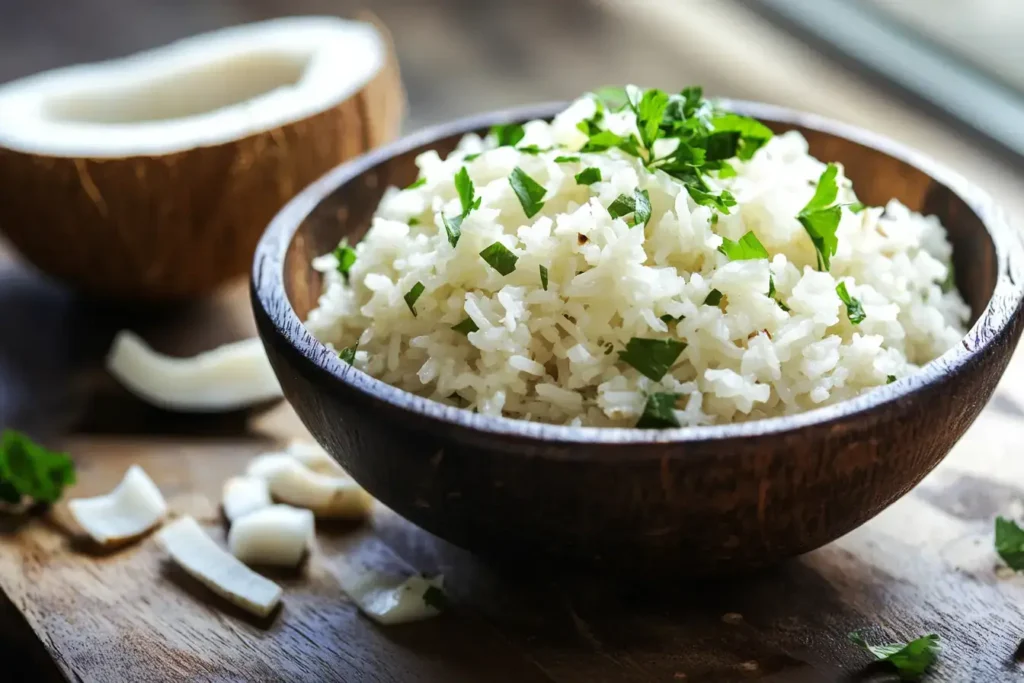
<point>127,512</point>
<point>229,377</point>
<point>153,176</point>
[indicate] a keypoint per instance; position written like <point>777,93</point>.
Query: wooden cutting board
<point>925,565</point>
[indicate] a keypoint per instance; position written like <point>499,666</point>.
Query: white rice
<point>549,355</point>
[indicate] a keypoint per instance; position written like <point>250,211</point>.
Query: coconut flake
<point>133,508</point>
<point>229,377</point>
<point>390,598</point>
<point>314,457</point>
<point>327,496</point>
<point>243,495</point>
<point>276,535</point>
<point>195,552</point>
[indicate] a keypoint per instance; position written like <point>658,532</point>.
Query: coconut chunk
<point>327,496</point>
<point>229,377</point>
<point>262,466</point>
<point>127,512</point>
<point>195,552</point>
<point>389,598</point>
<point>276,535</point>
<point>243,495</point>
<point>314,457</point>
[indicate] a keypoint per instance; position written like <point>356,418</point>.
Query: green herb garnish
<point>642,215</point>
<point>669,319</point>
<point>747,248</point>
<point>468,202</point>
<point>419,182</point>
<point>772,294</point>
<point>529,191</point>
<point>820,217</point>
<point>652,357</point>
<point>588,176</point>
<point>508,135</point>
<point>348,355</point>
<point>567,160</point>
<point>949,284</point>
<point>910,660</point>
<point>854,311</point>
<point>622,206</point>
<point>659,412</point>
<point>1010,543</point>
<point>499,257</point>
<point>544,278</point>
<point>532,149</point>
<point>346,257</point>
<point>412,295</point>
<point>714,298</point>
<point>414,221</point>
<point>889,379</point>
<point>466,326</point>
<point>471,157</point>
<point>726,170</point>
<point>28,470</point>
<point>857,207</point>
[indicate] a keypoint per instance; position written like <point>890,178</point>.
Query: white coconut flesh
<point>276,535</point>
<point>338,497</point>
<point>229,377</point>
<point>388,595</point>
<point>129,511</point>
<point>201,91</point>
<point>315,458</point>
<point>241,496</point>
<point>195,552</point>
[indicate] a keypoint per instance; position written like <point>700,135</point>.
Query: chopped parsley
<point>348,355</point>
<point>889,379</point>
<point>659,412</point>
<point>471,157</point>
<point>639,205</point>
<point>747,248</point>
<point>468,201</point>
<point>544,278</point>
<point>500,258</point>
<point>820,217</point>
<point>772,294</point>
<point>414,221</point>
<point>1010,543</point>
<point>529,191</point>
<point>854,311</point>
<point>419,182</point>
<point>949,284</point>
<point>652,357</point>
<point>726,170</point>
<point>346,257</point>
<point>532,149</point>
<point>642,215</point>
<point>669,319</point>
<point>910,660</point>
<point>714,298</point>
<point>508,135</point>
<point>567,160</point>
<point>466,326</point>
<point>412,295</point>
<point>588,176</point>
<point>857,207</point>
<point>622,206</point>
<point>28,470</point>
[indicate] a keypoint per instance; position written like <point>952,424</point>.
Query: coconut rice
<point>548,347</point>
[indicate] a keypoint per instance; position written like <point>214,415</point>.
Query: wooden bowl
<point>695,500</point>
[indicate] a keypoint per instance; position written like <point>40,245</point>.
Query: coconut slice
<point>229,377</point>
<point>315,458</point>
<point>244,495</point>
<point>327,496</point>
<point>164,167</point>
<point>196,553</point>
<point>389,597</point>
<point>127,512</point>
<point>276,535</point>
<point>263,466</point>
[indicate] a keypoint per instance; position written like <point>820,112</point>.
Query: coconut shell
<point>177,226</point>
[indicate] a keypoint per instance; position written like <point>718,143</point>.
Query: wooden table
<point>924,565</point>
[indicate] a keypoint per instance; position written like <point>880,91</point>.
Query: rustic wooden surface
<point>924,565</point>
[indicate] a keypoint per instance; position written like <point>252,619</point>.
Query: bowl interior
<point>877,177</point>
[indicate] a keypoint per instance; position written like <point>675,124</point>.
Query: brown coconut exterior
<point>176,226</point>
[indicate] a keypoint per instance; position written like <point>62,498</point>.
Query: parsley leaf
<point>471,157</point>
<point>747,248</point>
<point>1010,543</point>
<point>544,278</point>
<point>746,135</point>
<point>532,149</point>
<point>419,182</point>
<point>726,170</point>
<point>857,207</point>
<point>949,284</point>
<point>529,191</point>
<point>508,135</point>
<point>500,258</point>
<point>346,257</point>
<point>650,111</point>
<point>622,206</point>
<point>468,201</point>
<point>588,176</point>
<point>658,412</point>
<point>567,160</point>
<point>414,221</point>
<point>910,660</point>
<point>889,379</point>
<point>412,295</point>
<point>452,226</point>
<point>612,96</point>
<point>642,200</point>
<point>669,319</point>
<point>714,297</point>
<point>652,357</point>
<point>820,217</point>
<point>772,294</point>
<point>854,311</point>
<point>348,355</point>
<point>30,470</point>
<point>466,326</point>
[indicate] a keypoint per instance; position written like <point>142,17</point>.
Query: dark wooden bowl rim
<point>269,293</point>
